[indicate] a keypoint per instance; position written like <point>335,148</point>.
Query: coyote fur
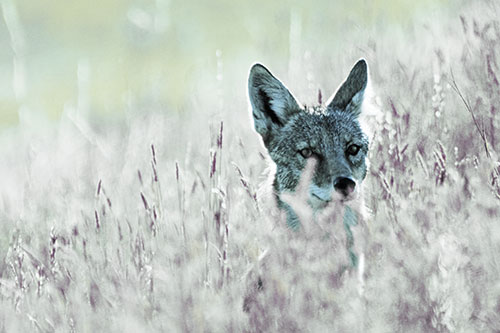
<point>327,138</point>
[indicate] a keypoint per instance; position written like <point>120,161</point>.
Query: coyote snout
<point>294,135</point>
<point>345,186</point>
<point>342,189</point>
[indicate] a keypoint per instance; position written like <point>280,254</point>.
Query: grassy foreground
<point>157,223</point>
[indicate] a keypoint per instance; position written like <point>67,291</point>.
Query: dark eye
<point>306,152</point>
<point>352,150</point>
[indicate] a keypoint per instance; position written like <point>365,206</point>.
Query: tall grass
<point>156,224</point>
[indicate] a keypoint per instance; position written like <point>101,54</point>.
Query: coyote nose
<point>344,185</point>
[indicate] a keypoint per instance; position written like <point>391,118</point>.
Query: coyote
<point>294,136</point>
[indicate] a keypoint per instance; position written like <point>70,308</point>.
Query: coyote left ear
<point>349,96</point>
<point>272,103</point>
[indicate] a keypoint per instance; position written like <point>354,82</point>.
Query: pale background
<point>110,57</point>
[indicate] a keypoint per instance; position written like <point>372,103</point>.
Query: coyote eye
<point>306,152</point>
<point>352,150</point>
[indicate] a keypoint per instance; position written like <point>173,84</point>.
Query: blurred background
<point>120,56</point>
<point>129,166</point>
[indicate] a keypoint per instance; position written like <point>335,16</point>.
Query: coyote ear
<point>349,96</point>
<point>272,103</point>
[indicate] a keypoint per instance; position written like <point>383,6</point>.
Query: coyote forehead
<point>293,134</point>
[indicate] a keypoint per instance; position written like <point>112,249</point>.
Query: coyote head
<point>293,135</point>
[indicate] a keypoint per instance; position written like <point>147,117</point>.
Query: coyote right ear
<point>272,103</point>
<point>349,95</point>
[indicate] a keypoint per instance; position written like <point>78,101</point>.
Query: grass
<point>158,224</point>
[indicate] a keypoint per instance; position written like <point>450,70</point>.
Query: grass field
<point>155,222</point>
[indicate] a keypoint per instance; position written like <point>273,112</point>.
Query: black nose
<point>344,185</point>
